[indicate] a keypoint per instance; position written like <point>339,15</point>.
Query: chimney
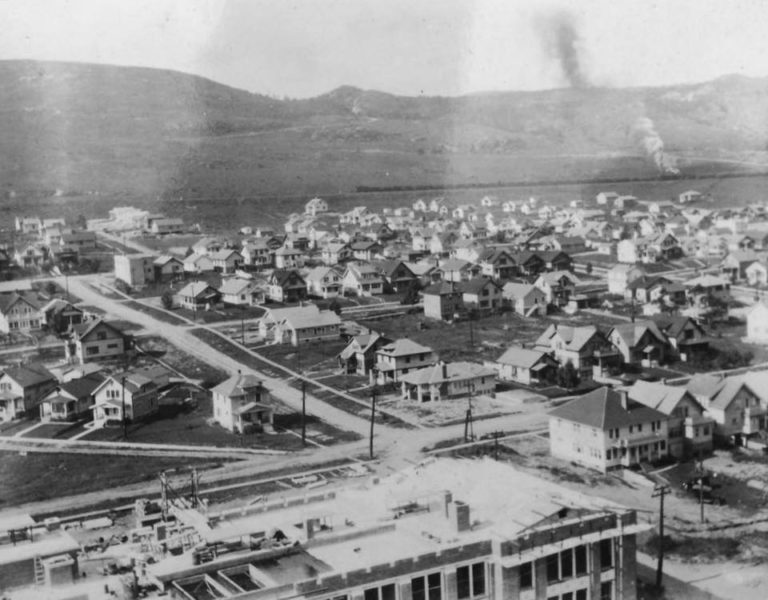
<point>458,515</point>
<point>623,398</point>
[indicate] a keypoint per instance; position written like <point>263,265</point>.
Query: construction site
<point>445,529</point>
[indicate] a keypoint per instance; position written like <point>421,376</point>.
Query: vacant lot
<point>40,476</point>
<point>311,356</point>
<point>155,313</point>
<point>166,353</point>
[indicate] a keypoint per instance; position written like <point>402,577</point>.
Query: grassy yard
<point>308,356</point>
<point>41,476</point>
<point>222,313</point>
<point>176,358</point>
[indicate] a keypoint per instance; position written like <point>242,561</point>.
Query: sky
<point>303,48</point>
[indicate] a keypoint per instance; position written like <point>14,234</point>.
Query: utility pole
<point>495,445</point>
<point>303,412</point>
<point>659,492</point>
<point>373,416</point>
<point>701,489</point>
<point>469,432</point>
<point>242,328</point>
<point>125,422</point>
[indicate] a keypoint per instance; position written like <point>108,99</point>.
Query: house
<point>621,275</point>
<point>641,342</point>
<point>94,340</point>
<point>359,356</point>
<point>29,256</point>
<point>558,286</point>
<point>757,324</point>
<point>167,225</point>
<point>689,196</point>
<point>226,260</point>
<point>240,405</point>
<point>136,270</point>
<point>456,270</point>
<point>71,400</point>
<point>442,301</point>
<point>604,430</point>
<point>241,292</point>
<point>334,253</point>
<point>497,263</point>
<point>20,312</point>
<point>315,206</point>
<point>686,337</point>
<point>257,253</point>
<point>30,225</point>
<point>529,264</point>
<point>525,366</point>
<point>586,348</point>
<point>286,286</point>
<point>197,264</point>
<point>324,282</point>
<point>21,390</point>
<point>197,295</point>
<point>525,298</point>
<point>209,245</point>
<point>125,397</point>
<point>299,324</point>
<point>647,288</point>
<point>59,315</point>
<point>362,279</point>
<point>734,266</point>
<point>481,294</point>
<point>288,258</point>
<point>444,381</point>
<point>396,359</point>
<point>365,250</point>
<point>690,430</point>
<point>420,206</point>
<point>397,275</point>
<point>709,285</point>
<point>168,268</point>
<point>735,407</point>
<point>649,249</point>
<point>78,240</point>
<point>606,198</point>
<point>757,273</point>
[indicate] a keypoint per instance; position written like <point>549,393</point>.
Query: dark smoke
<point>563,41</point>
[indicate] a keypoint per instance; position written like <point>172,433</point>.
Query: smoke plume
<point>562,40</point>
<point>654,146</point>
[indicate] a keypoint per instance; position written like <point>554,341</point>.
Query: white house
<point>240,404</point>
<point>757,324</point>
<point>314,206</point>
<point>128,396</point>
<point>19,312</point>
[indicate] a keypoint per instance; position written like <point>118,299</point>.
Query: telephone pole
<point>373,417</point>
<point>469,432</point>
<point>125,422</point>
<point>303,412</point>
<point>659,492</point>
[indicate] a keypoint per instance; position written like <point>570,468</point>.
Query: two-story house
<point>362,279</point>
<point>298,324</point>
<point>733,405</point>
<point>70,400</point>
<point>324,281</point>
<point>690,429</point>
<point>398,358</point>
<point>125,397</point>
<point>604,430</point>
<point>481,294</point>
<point>21,390</point>
<point>226,260</point>
<point>442,301</point>
<point>335,252</point>
<point>397,275</point>
<point>20,312</point>
<point>525,366</point>
<point>497,263</point>
<point>241,405</point>
<point>286,286</point>
<point>558,286</point>
<point>359,356</point>
<point>586,348</point>
<point>525,298</point>
<point>94,340</point>
<point>641,342</point>
<point>197,295</point>
<point>257,253</point>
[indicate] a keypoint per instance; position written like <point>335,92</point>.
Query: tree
<point>51,288</point>
<point>589,268</point>
<point>167,299</point>
<point>81,222</point>
<point>335,306</point>
<point>411,294</point>
<point>567,376</point>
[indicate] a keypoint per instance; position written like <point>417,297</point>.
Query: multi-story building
<point>125,397</point>
<point>135,269</point>
<point>20,312</point>
<point>400,357</point>
<point>586,348</point>
<point>436,531</point>
<point>21,390</point>
<point>94,340</point>
<point>604,430</point>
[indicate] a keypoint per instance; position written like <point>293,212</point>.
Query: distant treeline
<point>362,189</point>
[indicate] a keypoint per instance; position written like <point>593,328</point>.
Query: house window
<point>606,590</point>
<point>385,592</point>
<point>580,559</point>
<point>427,587</point>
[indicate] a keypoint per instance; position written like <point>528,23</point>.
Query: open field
<point>40,476</point>
<point>186,364</point>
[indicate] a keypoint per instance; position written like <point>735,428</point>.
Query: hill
<point>108,130</point>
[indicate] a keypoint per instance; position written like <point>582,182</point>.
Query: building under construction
<point>443,530</point>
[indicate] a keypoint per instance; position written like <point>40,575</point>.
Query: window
<point>581,594</point>
<point>580,556</point>
<point>553,570</point>
<point>428,587</point>
<point>385,592</point>
<point>526,575</point>
<point>606,590</point>
<point>606,554</point>
<point>470,581</point>
<point>566,564</point>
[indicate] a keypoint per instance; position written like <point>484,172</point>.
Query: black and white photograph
<point>384,299</point>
